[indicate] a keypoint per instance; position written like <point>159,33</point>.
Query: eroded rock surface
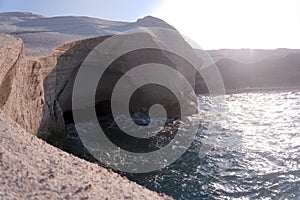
<point>32,169</point>
<point>21,84</point>
<point>36,91</point>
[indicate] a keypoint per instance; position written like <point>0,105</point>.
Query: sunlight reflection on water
<point>257,153</point>
<point>251,150</point>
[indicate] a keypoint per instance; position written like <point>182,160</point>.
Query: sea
<point>248,148</point>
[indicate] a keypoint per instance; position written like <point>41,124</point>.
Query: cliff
<point>37,80</point>
<point>21,88</point>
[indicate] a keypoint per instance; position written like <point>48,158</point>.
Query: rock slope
<point>43,34</point>
<point>33,169</point>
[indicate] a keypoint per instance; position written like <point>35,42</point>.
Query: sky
<point>212,24</point>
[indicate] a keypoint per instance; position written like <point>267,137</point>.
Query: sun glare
<point>216,24</point>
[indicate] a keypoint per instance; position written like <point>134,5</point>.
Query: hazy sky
<point>213,24</point>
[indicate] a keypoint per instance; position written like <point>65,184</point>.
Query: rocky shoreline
<point>38,69</point>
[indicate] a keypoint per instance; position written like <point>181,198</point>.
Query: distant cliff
<point>255,69</point>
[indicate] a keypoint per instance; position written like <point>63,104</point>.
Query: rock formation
<point>36,89</point>
<point>21,87</point>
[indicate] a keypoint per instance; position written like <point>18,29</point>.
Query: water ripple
<point>256,154</point>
